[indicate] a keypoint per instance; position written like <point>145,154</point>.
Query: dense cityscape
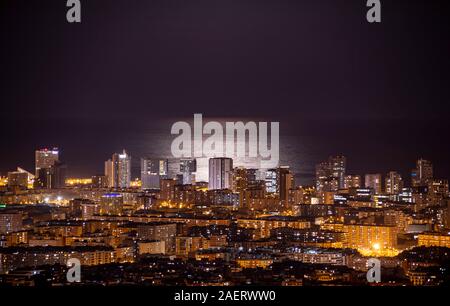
<point>242,227</point>
<point>213,152</point>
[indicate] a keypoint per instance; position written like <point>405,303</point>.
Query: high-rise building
<point>152,171</point>
<point>422,174</point>
<point>373,181</point>
<point>118,170</point>
<point>167,189</point>
<point>338,165</point>
<point>438,190</point>
<point>53,177</point>
<point>271,181</point>
<point>330,174</point>
<point>352,181</point>
<point>187,168</point>
<point>285,182</point>
<point>393,183</point>
<point>45,158</point>
<point>279,181</point>
<point>244,178</point>
<point>220,173</point>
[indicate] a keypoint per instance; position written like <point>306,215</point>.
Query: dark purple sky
<point>378,93</point>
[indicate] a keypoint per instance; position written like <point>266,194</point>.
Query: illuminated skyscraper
<point>337,166</point>
<point>271,180</point>
<point>373,181</point>
<point>394,183</point>
<point>438,191</point>
<point>118,170</point>
<point>152,171</point>
<point>220,173</point>
<point>422,174</point>
<point>45,158</point>
<point>279,181</point>
<point>330,175</point>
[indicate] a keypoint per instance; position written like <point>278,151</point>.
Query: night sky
<point>378,93</point>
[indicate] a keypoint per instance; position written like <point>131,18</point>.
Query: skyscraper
<point>53,177</point>
<point>279,181</point>
<point>187,168</point>
<point>152,171</point>
<point>373,181</point>
<point>45,158</point>
<point>244,178</point>
<point>422,174</point>
<point>118,170</point>
<point>220,173</point>
<point>285,182</point>
<point>330,174</point>
<point>271,180</point>
<point>393,183</point>
<point>337,166</point>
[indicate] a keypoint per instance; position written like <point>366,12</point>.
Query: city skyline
<point>171,167</point>
<point>216,147</point>
<point>322,71</point>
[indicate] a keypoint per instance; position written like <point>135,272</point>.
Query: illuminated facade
<point>159,231</point>
<point>422,174</point>
<point>352,181</point>
<point>434,239</point>
<point>45,158</point>
<point>370,237</point>
<point>118,170</point>
<point>374,182</point>
<point>393,183</point>
<point>110,204</point>
<point>263,226</point>
<point>152,171</point>
<point>330,174</point>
